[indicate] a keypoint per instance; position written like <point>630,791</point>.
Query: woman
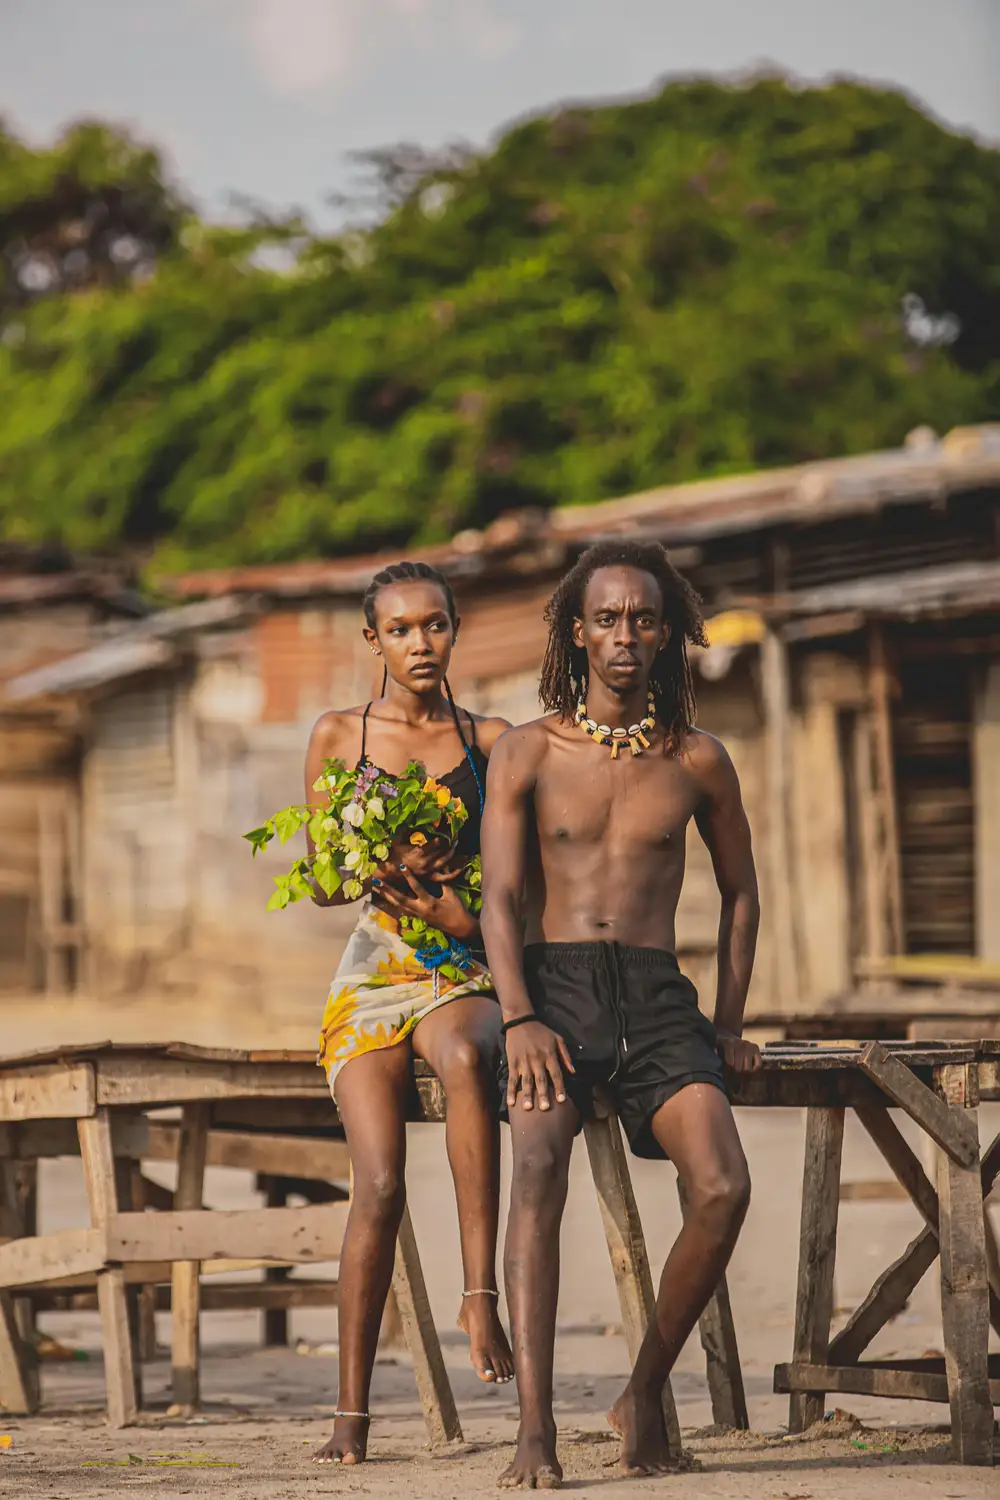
<point>372,1031</point>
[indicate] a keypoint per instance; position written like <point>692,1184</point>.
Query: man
<point>583,862</point>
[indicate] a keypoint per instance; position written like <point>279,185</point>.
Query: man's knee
<point>541,1173</point>
<point>718,1200</point>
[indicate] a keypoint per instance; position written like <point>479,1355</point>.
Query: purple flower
<point>386,790</point>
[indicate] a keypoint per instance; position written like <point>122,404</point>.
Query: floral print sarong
<point>382,988</point>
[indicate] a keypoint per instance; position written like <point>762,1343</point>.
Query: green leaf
<point>288,822</point>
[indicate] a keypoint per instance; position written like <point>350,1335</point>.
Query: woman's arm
<point>325,743</point>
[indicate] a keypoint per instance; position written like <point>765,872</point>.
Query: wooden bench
<point>100,1098</point>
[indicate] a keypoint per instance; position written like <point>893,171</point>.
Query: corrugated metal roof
<point>146,646</point>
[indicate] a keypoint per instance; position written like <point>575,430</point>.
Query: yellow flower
<point>418,839</point>
<point>430,785</point>
<point>443,796</point>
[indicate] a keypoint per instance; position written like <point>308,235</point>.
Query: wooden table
<point>262,1107</point>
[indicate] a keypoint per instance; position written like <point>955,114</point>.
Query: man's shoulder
<point>527,743</point>
<point>705,755</point>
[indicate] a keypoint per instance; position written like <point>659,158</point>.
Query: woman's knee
<point>462,1061</point>
<point>380,1193</point>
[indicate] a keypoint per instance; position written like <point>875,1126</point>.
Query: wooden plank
<point>886,1299</point>
<point>238,1296</point>
<point>626,1246</point>
<point>873,1191</point>
<point>185,1306</point>
<point>121,1365</point>
<point>946,1125</point>
<point>125,1080</point>
<point>909,1173</point>
<point>18,1388</point>
<point>275,1317</point>
<point>42,1258</point>
<point>965,1304</point>
<point>860,1380</point>
<point>880,688</point>
<point>295,1235</point>
<point>788,972</point>
<point>433,1385</point>
<point>817,1254</point>
<point>51,1091</point>
<point>275,1155</point>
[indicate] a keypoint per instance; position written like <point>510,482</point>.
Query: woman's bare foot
<point>638,1421</point>
<point>489,1350</point>
<point>349,1443</point>
<point>535,1465</point>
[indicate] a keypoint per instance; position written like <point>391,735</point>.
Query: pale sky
<point>264,97</point>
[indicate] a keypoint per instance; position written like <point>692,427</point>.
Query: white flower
<point>353,889</point>
<point>381,852</point>
<point>329,825</point>
<point>353,860</point>
<point>376,807</point>
<point>354,814</point>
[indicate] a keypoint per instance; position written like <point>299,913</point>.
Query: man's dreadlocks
<point>564,670</point>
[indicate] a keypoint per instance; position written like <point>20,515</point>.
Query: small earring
<point>375,651</point>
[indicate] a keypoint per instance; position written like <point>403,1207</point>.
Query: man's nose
<point>625,631</point>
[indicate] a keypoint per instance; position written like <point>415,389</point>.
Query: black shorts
<point>632,1024</point>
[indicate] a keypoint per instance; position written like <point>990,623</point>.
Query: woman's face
<point>414,633</point>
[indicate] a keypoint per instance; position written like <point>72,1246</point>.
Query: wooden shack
<point>854,673</point>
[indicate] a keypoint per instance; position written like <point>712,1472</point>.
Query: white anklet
<point>362,1414</point>
<point>482,1291</point>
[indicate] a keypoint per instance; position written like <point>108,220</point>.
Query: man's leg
<point>460,1041</point>
<point>697,1131</point>
<point>542,1143</point>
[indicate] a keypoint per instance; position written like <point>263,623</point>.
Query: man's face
<point>622,627</point>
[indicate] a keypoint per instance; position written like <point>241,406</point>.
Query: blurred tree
<point>700,282</point>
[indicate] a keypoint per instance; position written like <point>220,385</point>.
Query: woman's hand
<point>447,911</point>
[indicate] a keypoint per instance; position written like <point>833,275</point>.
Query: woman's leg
<point>371,1098</point>
<point>461,1043</point>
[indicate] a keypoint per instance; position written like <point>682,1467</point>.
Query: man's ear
<point>578,633</point>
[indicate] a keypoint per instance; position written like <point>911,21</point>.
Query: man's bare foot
<point>638,1421</point>
<point>535,1465</point>
<point>349,1443</point>
<point>489,1350</point>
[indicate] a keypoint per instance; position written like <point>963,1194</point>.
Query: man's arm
<point>722,823</point>
<point>536,1056</point>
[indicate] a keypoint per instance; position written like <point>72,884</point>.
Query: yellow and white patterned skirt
<point>382,989</point>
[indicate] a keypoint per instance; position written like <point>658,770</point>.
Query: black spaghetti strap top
<point>467,781</point>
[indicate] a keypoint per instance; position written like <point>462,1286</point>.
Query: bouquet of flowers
<point>367,812</point>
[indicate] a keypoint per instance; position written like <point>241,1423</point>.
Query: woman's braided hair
<point>414,572</point>
<point>564,670</point>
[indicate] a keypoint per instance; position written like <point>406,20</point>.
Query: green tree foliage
<point>705,281</point>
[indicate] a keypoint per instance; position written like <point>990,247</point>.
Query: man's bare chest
<point>585,798</point>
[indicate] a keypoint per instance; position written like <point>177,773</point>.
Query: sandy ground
<point>267,1410</point>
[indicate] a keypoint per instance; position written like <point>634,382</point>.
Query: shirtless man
<point>583,862</point>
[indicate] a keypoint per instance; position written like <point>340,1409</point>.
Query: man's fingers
<point>542,1087</point>
<point>564,1053</point>
<point>558,1083</point>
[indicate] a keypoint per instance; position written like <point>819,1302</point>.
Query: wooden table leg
<point>433,1385</point>
<point>626,1246</point>
<point>964,1287</point>
<point>185,1296</point>
<point>275,1192</point>
<point>146,1299</point>
<point>817,1255</point>
<point>121,1366</point>
<point>18,1385</point>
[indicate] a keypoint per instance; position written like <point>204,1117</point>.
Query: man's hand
<point>536,1057</point>
<point>738,1055</point>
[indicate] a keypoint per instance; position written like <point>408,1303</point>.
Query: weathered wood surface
<point>903,1379</point>
<point>121,1365</point>
<point>626,1246</point>
<point>948,1126</point>
<point>299,1235</point>
<point>433,1385</point>
<point>910,1175</point>
<point>18,1388</point>
<point>49,1091</point>
<point>965,1309</point>
<point>236,1296</point>
<point>185,1303</point>
<point>817,1254</point>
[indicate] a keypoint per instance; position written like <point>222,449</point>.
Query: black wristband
<point>518,1021</point>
